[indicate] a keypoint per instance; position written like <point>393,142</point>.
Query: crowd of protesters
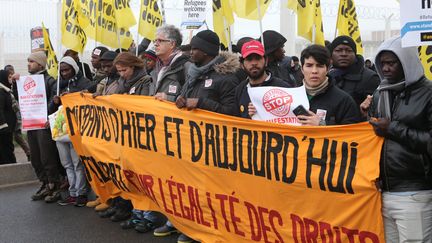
<point>396,99</point>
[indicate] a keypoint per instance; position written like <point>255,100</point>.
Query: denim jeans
<point>407,216</point>
<point>75,170</point>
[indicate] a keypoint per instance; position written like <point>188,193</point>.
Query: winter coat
<point>281,71</point>
<point>7,114</point>
<point>242,98</point>
<point>406,164</point>
<point>337,106</point>
<point>215,88</point>
<point>171,81</point>
<point>139,84</point>
<point>357,81</point>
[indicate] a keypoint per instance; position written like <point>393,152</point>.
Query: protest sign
<point>416,22</point>
<point>37,40</point>
<point>276,104</point>
<point>32,101</point>
<point>194,13</point>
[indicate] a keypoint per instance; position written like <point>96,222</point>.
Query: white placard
<point>32,102</point>
<point>275,104</point>
<point>416,22</point>
<point>194,13</point>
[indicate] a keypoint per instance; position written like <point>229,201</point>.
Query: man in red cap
<point>254,63</point>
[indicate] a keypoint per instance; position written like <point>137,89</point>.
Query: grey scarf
<point>195,72</point>
<point>312,91</point>
<point>387,92</point>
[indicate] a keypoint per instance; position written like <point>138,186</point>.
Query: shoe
<point>54,193</point>
<point>41,193</point>
<point>121,215</point>
<point>81,201</point>
<point>67,201</point>
<point>94,203</point>
<point>144,226</point>
<point>129,224</point>
<point>184,239</point>
<point>107,213</point>
<point>101,207</point>
<point>165,230</point>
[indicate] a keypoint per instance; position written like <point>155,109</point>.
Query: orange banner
<point>225,179</point>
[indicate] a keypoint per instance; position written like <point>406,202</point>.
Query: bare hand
<point>15,77</point>
<point>180,102</point>
<point>161,96</point>
<point>311,120</point>
<point>251,109</point>
<point>364,106</point>
<point>191,103</point>
<point>56,100</point>
<point>83,92</point>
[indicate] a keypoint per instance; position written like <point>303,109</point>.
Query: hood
<point>408,57</point>
<point>71,62</point>
<point>230,65</point>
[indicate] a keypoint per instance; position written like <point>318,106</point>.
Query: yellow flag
<point>72,33</point>
<point>347,23</point>
<point>150,19</point>
<point>222,19</point>
<point>248,9</point>
<point>52,63</point>
<point>309,20</point>
<point>101,21</point>
<point>425,54</point>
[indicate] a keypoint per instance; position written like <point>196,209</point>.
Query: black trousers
<point>7,155</point>
<point>44,156</point>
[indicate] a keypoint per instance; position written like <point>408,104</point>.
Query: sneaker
<point>144,226</point>
<point>67,201</point>
<point>184,239</point>
<point>54,193</point>
<point>81,201</point>
<point>129,224</point>
<point>164,231</point>
<point>41,193</point>
<point>101,207</point>
<point>94,203</point>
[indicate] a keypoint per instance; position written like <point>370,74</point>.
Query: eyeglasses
<point>160,41</point>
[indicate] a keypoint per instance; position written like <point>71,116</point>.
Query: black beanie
<point>207,41</point>
<point>109,56</point>
<point>272,41</point>
<point>343,40</point>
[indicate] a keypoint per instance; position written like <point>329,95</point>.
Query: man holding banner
<point>403,107</point>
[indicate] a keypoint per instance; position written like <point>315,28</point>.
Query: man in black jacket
<point>348,70</point>
<point>254,63</point>
<point>328,104</point>
<point>211,78</point>
<point>402,111</point>
<point>44,155</point>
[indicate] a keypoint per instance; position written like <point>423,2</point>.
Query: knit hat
<point>343,40</point>
<point>99,51</point>
<point>207,41</point>
<point>109,56</point>
<point>39,57</point>
<point>272,41</point>
<point>252,47</point>
<point>150,54</point>
<point>71,62</point>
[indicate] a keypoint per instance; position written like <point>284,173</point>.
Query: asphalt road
<point>23,220</point>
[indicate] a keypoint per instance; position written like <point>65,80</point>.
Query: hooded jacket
<point>406,164</point>
<point>7,114</point>
<point>357,81</point>
<point>215,88</point>
<point>139,84</point>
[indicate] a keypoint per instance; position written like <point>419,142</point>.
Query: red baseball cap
<point>252,47</point>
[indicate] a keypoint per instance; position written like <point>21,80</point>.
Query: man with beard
<point>254,62</point>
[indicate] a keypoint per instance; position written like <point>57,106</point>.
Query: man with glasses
<point>172,66</point>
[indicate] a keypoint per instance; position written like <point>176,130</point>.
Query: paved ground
<point>22,220</point>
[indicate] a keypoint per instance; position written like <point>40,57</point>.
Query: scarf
<point>387,92</point>
<point>195,72</point>
<point>313,91</point>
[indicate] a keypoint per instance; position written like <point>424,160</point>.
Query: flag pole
<point>260,22</point>
<point>139,22</point>
<point>337,19</point>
